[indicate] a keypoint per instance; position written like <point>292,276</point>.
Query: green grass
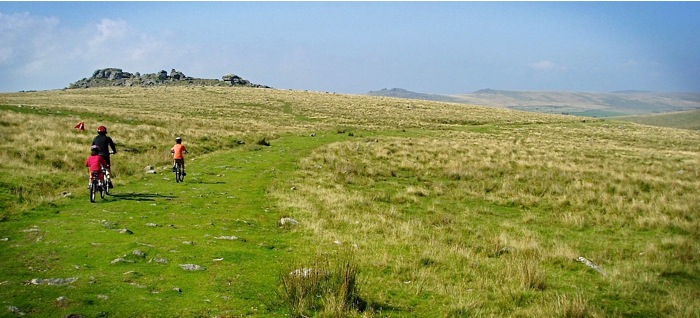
<point>223,195</point>
<point>436,209</point>
<point>681,120</point>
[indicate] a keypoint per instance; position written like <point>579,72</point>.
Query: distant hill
<point>402,93</point>
<point>575,103</point>
<point>118,77</point>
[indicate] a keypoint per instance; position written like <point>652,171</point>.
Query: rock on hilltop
<point>117,77</point>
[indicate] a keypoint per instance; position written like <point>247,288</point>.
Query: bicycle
<point>96,186</point>
<point>179,172</point>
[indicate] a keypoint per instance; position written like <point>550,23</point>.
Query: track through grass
<point>129,247</point>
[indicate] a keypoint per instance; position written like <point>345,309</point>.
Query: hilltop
<point>117,77</point>
<point>573,103</point>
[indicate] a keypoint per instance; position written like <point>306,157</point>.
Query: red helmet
<point>102,130</point>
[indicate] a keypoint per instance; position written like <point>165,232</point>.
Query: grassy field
<point>681,120</point>
<point>414,208</point>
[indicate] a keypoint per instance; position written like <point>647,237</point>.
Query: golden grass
<point>566,182</point>
<point>480,210</point>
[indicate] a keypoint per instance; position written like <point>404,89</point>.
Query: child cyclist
<point>177,152</point>
<point>95,163</point>
<point>105,142</point>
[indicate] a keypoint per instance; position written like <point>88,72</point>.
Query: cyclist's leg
<point>109,169</point>
<point>109,163</point>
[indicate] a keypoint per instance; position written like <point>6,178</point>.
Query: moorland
<point>587,104</point>
<point>330,205</point>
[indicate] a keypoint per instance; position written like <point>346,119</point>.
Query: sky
<point>359,46</point>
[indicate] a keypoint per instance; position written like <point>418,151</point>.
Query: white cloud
<point>41,53</point>
<point>630,63</point>
<point>108,30</point>
<point>547,66</point>
<point>22,34</point>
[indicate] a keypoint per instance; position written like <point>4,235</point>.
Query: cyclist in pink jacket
<point>95,163</point>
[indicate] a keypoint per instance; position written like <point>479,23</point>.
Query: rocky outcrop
<point>236,80</point>
<point>117,77</point>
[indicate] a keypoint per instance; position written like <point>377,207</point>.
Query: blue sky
<point>355,47</point>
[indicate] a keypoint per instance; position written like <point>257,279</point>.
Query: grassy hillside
<point>404,208</point>
<point>681,120</point>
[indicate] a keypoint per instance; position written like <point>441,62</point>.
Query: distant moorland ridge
<point>590,104</point>
<point>118,77</point>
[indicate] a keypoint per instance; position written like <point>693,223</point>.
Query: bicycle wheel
<point>93,188</point>
<point>101,187</point>
<point>105,182</point>
<point>179,177</point>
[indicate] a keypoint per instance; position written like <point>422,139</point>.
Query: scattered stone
<point>152,225</point>
<point>228,238</point>
<point>188,243</point>
<point>177,289</point>
<point>309,272</point>
<point>102,297</point>
<point>139,253</point>
<point>120,260</point>
<point>160,260</point>
<point>592,265</point>
<point>15,311</point>
<point>66,194</point>
<point>288,221</point>
<point>504,250</point>
<point>62,299</point>
<point>192,267</point>
<point>218,259</point>
<point>126,231</point>
<point>53,281</point>
<point>4,239</point>
<point>108,224</point>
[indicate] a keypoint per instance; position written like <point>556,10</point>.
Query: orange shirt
<point>177,150</point>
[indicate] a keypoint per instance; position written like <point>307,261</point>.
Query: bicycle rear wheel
<point>179,176</point>
<point>93,188</point>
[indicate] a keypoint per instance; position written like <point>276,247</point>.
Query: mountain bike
<point>179,172</point>
<point>96,186</point>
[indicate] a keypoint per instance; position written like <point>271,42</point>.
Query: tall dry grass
<point>513,207</point>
